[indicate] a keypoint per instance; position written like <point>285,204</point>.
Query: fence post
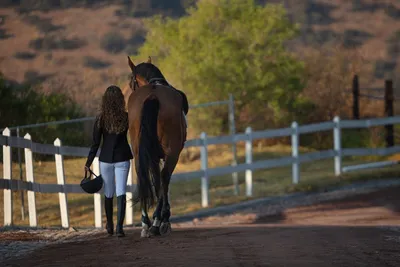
<point>129,195</point>
<point>295,153</point>
<point>7,174</point>
<point>30,178</point>
<point>234,153</point>
<point>204,166</point>
<point>20,177</point>
<point>97,198</point>
<point>337,146</point>
<point>389,112</point>
<point>61,181</point>
<point>249,160</point>
<point>356,98</point>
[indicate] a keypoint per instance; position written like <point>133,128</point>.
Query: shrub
<point>25,55</point>
<point>113,42</point>
<point>21,105</point>
<point>52,42</point>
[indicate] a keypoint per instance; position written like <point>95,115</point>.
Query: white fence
<point>8,184</point>
<point>232,130</point>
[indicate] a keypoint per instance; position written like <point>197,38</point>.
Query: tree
<point>230,46</point>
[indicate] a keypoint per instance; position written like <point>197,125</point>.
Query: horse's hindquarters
<point>171,122</point>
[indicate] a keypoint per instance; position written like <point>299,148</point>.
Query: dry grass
<point>186,195</point>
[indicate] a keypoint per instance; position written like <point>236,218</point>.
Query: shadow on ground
<point>383,205</point>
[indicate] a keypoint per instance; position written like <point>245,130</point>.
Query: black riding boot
<point>121,201</point>
<point>108,204</point>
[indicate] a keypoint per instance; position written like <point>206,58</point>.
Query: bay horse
<point>157,129</point>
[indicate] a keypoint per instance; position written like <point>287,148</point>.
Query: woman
<point>112,125</point>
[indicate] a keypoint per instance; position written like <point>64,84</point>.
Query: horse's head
<point>143,74</point>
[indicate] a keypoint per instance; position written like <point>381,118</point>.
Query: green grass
<point>185,196</point>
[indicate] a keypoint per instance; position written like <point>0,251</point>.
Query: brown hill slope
<point>81,50</point>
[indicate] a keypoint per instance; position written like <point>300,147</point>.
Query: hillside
<point>80,47</point>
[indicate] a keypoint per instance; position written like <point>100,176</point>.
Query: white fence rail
<point>8,184</point>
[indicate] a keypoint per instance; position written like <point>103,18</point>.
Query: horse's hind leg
<point>165,227</point>
<point>155,228</point>
<point>146,223</point>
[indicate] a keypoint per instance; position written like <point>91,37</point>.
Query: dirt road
<point>357,231</point>
<point>255,245</point>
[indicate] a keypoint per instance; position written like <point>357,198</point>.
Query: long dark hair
<point>113,117</point>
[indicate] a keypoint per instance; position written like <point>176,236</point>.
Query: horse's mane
<point>148,71</point>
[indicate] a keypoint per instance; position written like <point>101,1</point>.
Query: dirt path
<point>357,231</point>
<point>255,245</point>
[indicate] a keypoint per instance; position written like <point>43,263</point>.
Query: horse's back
<point>170,100</point>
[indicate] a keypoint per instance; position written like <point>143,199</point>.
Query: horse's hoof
<point>144,233</point>
<point>165,228</point>
<point>154,230</point>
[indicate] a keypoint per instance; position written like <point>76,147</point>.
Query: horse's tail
<point>150,152</point>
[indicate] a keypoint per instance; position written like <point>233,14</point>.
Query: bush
<point>53,42</point>
<point>94,63</point>
<point>329,75</point>
<point>24,55</point>
<point>42,24</point>
<point>113,42</point>
<point>21,105</point>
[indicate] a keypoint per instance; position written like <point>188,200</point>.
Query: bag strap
<point>91,172</point>
<point>86,175</point>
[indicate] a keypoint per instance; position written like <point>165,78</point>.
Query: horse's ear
<point>131,65</point>
<point>149,60</point>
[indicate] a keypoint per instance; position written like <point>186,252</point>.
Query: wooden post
<point>356,98</point>
<point>204,166</point>
<point>30,178</point>
<point>389,112</point>
<point>7,174</point>
<point>249,160</point>
<point>21,179</point>
<point>61,181</point>
<point>295,153</point>
<point>337,146</point>
<point>129,195</point>
<point>98,223</point>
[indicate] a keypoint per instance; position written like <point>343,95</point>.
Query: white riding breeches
<point>115,176</point>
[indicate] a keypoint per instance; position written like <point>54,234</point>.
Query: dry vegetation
<point>82,50</point>
<point>73,56</point>
<point>330,70</point>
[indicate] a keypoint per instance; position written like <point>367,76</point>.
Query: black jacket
<point>115,147</point>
